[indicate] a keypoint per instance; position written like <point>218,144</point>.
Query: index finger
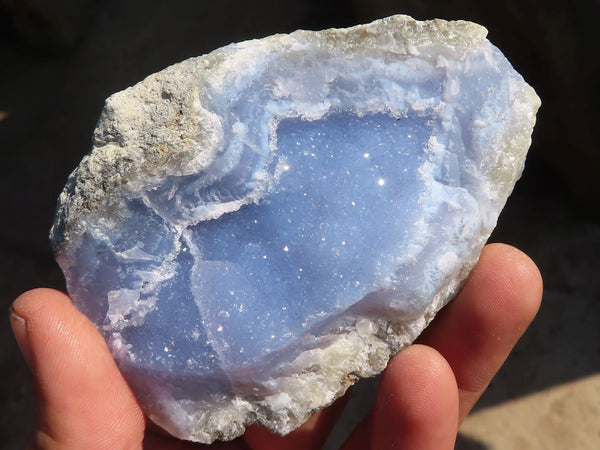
<point>479,328</point>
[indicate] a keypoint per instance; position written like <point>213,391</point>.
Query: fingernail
<point>19,327</point>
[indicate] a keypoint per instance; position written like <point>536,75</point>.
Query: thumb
<point>83,401</point>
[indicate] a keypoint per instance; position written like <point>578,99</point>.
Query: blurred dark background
<point>60,59</point>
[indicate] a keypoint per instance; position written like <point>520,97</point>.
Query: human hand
<point>424,394</point>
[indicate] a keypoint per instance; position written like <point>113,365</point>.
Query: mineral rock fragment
<point>256,228</point>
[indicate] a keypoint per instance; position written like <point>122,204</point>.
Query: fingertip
<point>417,402</point>
<point>20,332</point>
<point>83,399</point>
<point>25,310</point>
<point>478,329</point>
<point>504,256</point>
<point>513,281</point>
<point>415,373</point>
<point>29,304</point>
<point>54,327</point>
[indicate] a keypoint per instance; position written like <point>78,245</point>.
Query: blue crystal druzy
<point>256,227</point>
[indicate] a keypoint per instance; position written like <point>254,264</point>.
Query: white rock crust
<point>175,123</point>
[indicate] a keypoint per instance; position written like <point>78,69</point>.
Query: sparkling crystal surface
<point>257,227</point>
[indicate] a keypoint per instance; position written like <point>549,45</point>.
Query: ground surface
<point>59,62</point>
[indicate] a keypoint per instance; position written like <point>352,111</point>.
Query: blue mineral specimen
<point>256,228</point>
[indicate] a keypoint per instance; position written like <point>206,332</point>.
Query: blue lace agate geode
<point>256,228</point>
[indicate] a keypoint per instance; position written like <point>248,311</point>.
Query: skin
<point>425,392</point>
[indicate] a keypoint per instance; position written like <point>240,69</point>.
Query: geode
<point>257,228</point>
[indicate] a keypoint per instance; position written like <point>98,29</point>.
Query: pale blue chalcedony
<point>257,227</point>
